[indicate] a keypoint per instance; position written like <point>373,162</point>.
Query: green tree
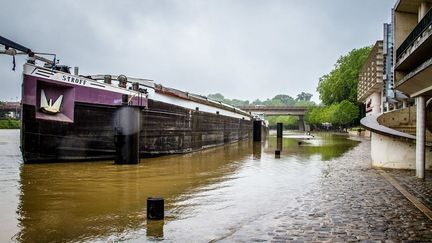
<point>236,102</point>
<point>278,100</point>
<point>282,100</point>
<point>340,114</point>
<point>217,97</point>
<point>312,115</point>
<point>289,122</point>
<point>345,113</point>
<point>256,102</point>
<point>328,113</point>
<point>341,83</point>
<point>304,103</point>
<point>303,96</point>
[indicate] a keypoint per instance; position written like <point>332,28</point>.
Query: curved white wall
<point>389,152</point>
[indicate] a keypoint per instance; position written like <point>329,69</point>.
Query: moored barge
<point>71,117</point>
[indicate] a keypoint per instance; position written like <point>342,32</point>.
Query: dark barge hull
<point>164,129</point>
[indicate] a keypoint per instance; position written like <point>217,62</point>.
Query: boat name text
<point>74,80</point>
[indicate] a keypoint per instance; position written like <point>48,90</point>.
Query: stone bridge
<point>299,111</point>
<point>275,110</point>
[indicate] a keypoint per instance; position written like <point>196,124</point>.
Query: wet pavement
<point>421,189</point>
<point>351,202</point>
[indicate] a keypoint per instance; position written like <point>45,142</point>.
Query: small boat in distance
<point>71,117</point>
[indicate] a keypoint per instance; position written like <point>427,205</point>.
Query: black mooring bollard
<point>155,208</point>
<point>277,153</point>
<point>257,130</point>
<point>279,129</point>
<point>279,144</point>
<point>256,150</point>
<point>127,131</point>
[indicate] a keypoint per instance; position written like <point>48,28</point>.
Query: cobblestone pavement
<point>422,189</point>
<point>352,202</point>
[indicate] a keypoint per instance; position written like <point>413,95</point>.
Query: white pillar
<point>404,104</point>
<point>420,136</point>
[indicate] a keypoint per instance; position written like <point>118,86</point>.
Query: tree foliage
<point>289,122</point>
<point>345,113</point>
<point>341,83</point>
<point>340,114</point>
<point>303,96</point>
<point>303,99</point>
<point>10,124</point>
<point>233,102</point>
<point>282,100</point>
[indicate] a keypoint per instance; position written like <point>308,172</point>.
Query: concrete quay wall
<point>392,145</point>
<point>391,152</point>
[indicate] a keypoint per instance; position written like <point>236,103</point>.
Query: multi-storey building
<point>377,91</point>
<point>412,21</point>
<point>370,87</point>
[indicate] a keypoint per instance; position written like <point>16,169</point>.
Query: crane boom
<point>9,43</point>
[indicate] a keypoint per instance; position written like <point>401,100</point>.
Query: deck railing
<point>417,31</point>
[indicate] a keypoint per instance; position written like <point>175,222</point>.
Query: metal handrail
<point>417,31</point>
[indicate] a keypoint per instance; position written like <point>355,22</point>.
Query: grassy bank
<point>10,124</point>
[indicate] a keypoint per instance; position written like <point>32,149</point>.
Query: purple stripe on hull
<point>82,93</point>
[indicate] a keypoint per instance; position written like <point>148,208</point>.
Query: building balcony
<point>413,42</point>
<point>367,89</point>
<point>418,81</point>
<point>417,47</point>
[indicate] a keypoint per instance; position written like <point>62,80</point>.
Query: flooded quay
<point>322,189</point>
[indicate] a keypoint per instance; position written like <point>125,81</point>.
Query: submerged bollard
<point>155,208</point>
<point>256,150</point>
<point>279,143</point>
<point>155,229</point>
<point>279,129</point>
<point>127,131</point>
<point>277,153</point>
<point>257,131</point>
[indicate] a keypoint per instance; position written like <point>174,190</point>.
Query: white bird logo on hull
<point>47,106</point>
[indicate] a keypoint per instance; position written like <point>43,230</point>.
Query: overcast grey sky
<point>244,49</point>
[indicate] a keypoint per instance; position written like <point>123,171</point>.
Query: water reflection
<point>279,144</point>
<point>207,194</point>
<point>155,229</point>
<point>80,201</point>
<point>327,145</point>
<point>257,147</point>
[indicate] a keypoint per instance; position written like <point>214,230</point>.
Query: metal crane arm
<point>9,43</point>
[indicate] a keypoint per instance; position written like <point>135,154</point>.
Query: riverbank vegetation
<point>10,124</point>
<point>302,99</point>
<point>289,122</point>
<point>334,116</point>
<point>337,91</point>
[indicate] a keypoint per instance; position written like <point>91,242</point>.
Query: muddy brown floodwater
<point>209,195</point>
